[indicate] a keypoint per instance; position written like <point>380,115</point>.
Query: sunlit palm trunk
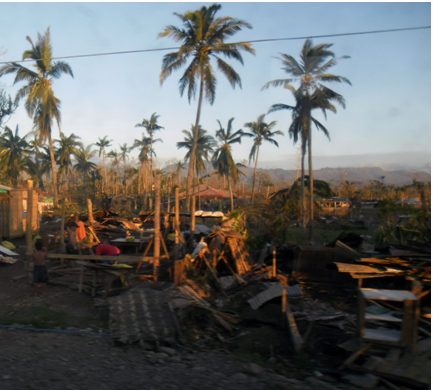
<point>53,170</point>
<point>232,203</point>
<point>191,168</point>
<point>310,173</point>
<point>303,219</point>
<point>254,173</point>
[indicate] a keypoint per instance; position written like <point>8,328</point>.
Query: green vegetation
<point>46,317</point>
<point>41,103</point>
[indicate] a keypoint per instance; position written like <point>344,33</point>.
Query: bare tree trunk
<point>191,167</point>
<point>254,173</point>
<point>62,227</point>
<point>176,217</point>
<point>303,219</point>
<point>157,237</point>
<point>311,179</point>
<point>232,203</point>
<point>29,218</point>
<point>90,211</point>
<point>53,170</point>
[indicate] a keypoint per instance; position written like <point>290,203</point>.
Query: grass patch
<point>45,317</point>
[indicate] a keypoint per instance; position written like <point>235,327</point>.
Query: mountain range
<point>352,174</point>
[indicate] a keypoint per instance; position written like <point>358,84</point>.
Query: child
<point>40,274</point>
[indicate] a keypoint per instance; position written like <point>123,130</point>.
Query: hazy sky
<point>388,104</point>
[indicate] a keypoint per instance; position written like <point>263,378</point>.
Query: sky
<point>387,107</point>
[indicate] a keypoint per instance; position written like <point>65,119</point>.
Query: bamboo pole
<point>193,199</point>
<point>274,263</point>
<point>62,226</point>
<point>90,211</point>
<point>29,228</point>
<point>157,237</point>
<point>176,217</point>
<point>29,218</point>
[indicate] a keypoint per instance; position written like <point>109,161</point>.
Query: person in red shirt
<point>107,249</point>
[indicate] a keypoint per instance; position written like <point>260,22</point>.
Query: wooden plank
<point>382,317</point>
<point>382,335</point>
<point>388,295</point>
<point>348,249</point>
<point>356,268</point>
<point>121,258</point>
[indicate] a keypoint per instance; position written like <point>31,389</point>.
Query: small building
<point>335,206</point>
<point>13,210</point>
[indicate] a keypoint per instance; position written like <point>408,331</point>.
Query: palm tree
<point>297,131</point>
<point>102,144</point>
<point>145,154</point>
<point>7,107</point>
<point>222,159</point>
<point>204,147</point>
<point>151,125</point>
<point>84,166</point>
<point>260,131</point>
<point>41,103</point>
<point>14,154</point>
<point>145,148</point>
<point>311,72</point>
<point>39,164</point>
<point>67,147</point>
<point>202,36</point>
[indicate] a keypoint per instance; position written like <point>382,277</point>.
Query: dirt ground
<point>56,338</point>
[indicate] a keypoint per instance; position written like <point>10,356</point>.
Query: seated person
<point>107,249</point>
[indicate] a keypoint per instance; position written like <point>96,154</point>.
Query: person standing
<point>40,273</point>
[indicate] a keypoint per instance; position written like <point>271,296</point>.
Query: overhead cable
<point>249,41</point>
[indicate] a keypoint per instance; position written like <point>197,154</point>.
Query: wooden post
<point>29,218</point>
<point>274,263</point>
<point>90,211</point>
<point>193,213</point>
<point>157,237</point>
<point>62,227</point>
<point>284,300</point>
<point>176,217</point>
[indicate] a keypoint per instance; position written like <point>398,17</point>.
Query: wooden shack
<point>13,209</point>
<point>335,206</point>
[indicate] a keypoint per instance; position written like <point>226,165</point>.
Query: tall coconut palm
<point>297,130</point>
<point>151,125</point>
<point>144,146</point>
<point>203,38</point>
<point>260,131</point>
<point>84,165</point>
<point>204,147</point>
<point>14,154</point>
<point>41,103</point>
<point>146,151</point>
<point>311,71</point>
<point>67,148</point>
<point>102,144</point>
<point>222,160</point>
<point>39,164</point>
<point>7,107</point>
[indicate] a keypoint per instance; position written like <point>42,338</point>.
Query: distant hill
<point>359,175</point>
<point>336,175</point>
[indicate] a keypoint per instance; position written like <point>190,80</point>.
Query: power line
<point>250,41</point>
